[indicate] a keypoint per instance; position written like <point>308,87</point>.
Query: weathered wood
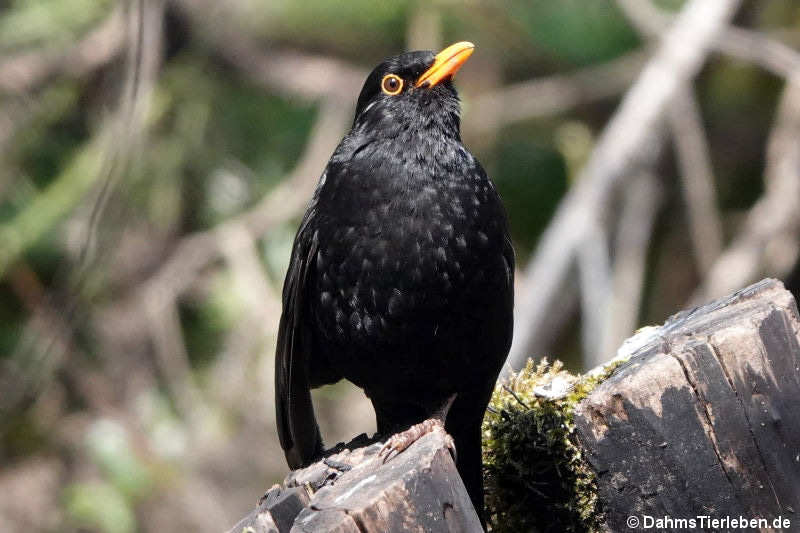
<point>704,420</point>
<point>276,511</point>
<point>354,491</point>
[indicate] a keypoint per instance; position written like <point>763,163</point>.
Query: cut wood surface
<point>354,491</point>
<point>704,419</point>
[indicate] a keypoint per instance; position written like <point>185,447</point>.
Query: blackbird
<point>401,275</point>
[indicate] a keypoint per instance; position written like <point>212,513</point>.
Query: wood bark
<point>354,491</point>
<point>703,420</point>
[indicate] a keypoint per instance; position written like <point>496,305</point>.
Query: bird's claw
<point>400,441</point>
<point>451,445</point>
<point>337,465</point>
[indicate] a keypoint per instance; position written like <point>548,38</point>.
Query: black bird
<point>401,275</point>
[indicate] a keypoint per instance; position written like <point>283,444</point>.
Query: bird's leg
<point>400,441</point>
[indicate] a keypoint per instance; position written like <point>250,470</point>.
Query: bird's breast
<point>409,264</point>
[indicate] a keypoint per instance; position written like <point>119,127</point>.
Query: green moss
<point>536,476</point>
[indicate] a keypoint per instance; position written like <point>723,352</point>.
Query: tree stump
<point>698,419</point>
<point>354,491</point>
<point>704,419</point>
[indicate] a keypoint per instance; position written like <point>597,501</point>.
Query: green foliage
<point>576,31</point>
<point>531,178</point>
<point>57,130</point>
<point>48,207</point>
<point>99,506</point>
<point>733,90</point>
<point>277,248</point>
<point>348,26</point>
<point>52,22</point>
<point>12,314</point>
<point>203,332</point>
<point>21,434</point>
<point>536,476</point>
<point>107,505</point>
<point>109,446</point>
<point>226,141</point>
<point>206,321</point>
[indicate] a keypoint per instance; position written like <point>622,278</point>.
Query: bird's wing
<point>297,427</point>
<point>510,258</point>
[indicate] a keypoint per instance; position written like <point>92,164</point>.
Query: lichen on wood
<point>536,476</point>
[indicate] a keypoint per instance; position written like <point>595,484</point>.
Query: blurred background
<point>156,157</point>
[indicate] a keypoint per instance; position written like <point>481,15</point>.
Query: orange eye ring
<point>392,84</point>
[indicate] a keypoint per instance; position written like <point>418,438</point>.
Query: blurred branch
<point>770,54</point>
<point>143,63</point>
<point>620,150</point>
<point>53,203</point>
<point>290,73</point>
<point>768,244</point>
<point>555,94</point>
<point>639,211</point>
<point>746,45</point>
<point>103,157</point>
<point>594,275</point>
<point>424,29</point>
<point>232,368</point>
<point>646,17</point>
<point>199,250</point>
<point>235,241</point>
<point>694,160</point>
<point>238,247</point>
<point>693,154</point>
<point>47,336</point>
<point>28,70</point>
<point>173,360</point>
<point>546,97</point>
<point>23,377</point>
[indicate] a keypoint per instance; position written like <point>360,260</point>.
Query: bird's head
<point>413,91</point>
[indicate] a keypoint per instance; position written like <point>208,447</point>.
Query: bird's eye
<point>392,84</point>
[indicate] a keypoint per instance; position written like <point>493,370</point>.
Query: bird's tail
<point>297,426</point>
<point>298,430</point>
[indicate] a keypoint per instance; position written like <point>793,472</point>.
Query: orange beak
<point>446,64</point>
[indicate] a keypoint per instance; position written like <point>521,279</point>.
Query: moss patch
<point>536,476</point>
